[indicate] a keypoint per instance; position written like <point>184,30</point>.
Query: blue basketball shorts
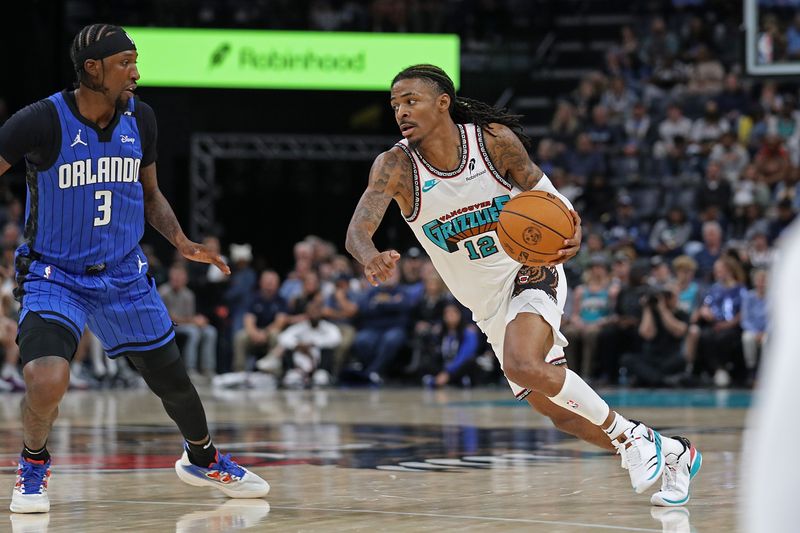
<point>121,304</point>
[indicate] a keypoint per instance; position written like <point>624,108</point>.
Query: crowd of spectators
<point>685,173</point>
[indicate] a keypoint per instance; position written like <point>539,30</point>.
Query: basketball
<point>532,227</point>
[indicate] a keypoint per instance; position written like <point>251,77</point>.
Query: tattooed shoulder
<point>511,158</point>
<point>392,174</point>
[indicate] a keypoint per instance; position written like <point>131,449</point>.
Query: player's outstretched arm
<point>387,181</point>
<point>160,215</point>
<point>511,159</point>
<point>4,166</point>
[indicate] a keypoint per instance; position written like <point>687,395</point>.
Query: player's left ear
<point>443,102</point>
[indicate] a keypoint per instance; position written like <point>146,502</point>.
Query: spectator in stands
<point>658,43</point>
<point>586,160</point>
<point>547,156</point>
<point>708,129</point>
<point>754,321</point>
<point>772,160</point>
<point>264,320</point>
<point>793,39</point>
<point>789,189</point>
<point>603,134</point>
<point>310,290</point>
<point>457,346</point>
<point>565,126</point>
<point>671,233</point>
<point>592,303</point>
<point>340,308</point>
<point>732,157</point>
<point>675,125</point>
<point>666,82</point>
<point>592,247</point>
<point>308,349</point>
<point>619,100</point>
<point>714,190</point>
<point>660,272</point>
<point>661,333</point>
<point>411,273</point>
<point>619,335</point>
<point>201,337</point>
<point>715,336</point>
<point>710,251</point>
<point>625,228</point>
<point>759,254</point>
<point>384,313</point>
<point>638,128</point>
<point>426,318</point>
<point>733,100</point>
<point>241,285</point>
<point>784,217</point>
<point>705,74</point>
<point>687,287</point>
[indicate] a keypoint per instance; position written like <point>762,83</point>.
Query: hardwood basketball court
<point>358,460</point>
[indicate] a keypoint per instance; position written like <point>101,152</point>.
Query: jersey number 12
<point>104,208</point>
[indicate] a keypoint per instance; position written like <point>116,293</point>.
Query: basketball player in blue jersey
<point>91,177</point>
<point>459,162</point>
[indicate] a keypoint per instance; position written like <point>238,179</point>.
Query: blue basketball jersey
<point>87,209</point>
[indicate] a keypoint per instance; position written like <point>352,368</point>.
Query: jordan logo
<point>47,271</point>
<point>141,263</point>
<point>78,140</point>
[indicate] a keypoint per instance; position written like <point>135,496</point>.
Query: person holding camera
<point>661,332</point>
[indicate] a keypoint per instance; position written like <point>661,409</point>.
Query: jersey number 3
<point>104,208</point>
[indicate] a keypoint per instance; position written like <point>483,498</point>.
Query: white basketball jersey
<point>454,218</point>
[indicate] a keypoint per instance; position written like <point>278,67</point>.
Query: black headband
<point>107,46</point>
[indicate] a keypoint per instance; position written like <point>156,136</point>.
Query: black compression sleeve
<point>148,129</point>
<point>33,131</point>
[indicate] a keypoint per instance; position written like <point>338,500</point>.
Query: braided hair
<point>88,35</point>
<point>464,110</point>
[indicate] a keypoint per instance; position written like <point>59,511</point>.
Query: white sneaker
<point>270,363</point>
<point>674,520</point>
<point>643,456</point>
<point>722,378</point>
<point>233,514</point>
<point>30,489</point>
<point>77,379</point>
<point>678,475</point>
<point>233,480</point>
<point>294,379</point>
<point>321,378</point>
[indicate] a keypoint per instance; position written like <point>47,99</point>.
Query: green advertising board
<point>261,59</point>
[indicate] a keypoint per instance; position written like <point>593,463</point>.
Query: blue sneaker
<point>30,490</point>
<point>233,480</point>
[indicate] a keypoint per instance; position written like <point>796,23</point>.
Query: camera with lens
<point>651,295</point>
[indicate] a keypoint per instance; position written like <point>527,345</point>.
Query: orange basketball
<point>532,227</point>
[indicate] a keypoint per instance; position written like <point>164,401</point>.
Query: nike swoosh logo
<point>428,185</point>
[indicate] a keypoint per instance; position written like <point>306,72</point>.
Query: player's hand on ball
<point>381,267</point>
<point>194,251</point>
<point>573,245</point>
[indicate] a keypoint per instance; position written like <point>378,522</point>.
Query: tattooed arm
<point>510,157</point>
<point>389,178</point>
<point>512,162</point>
<point>160,215</point>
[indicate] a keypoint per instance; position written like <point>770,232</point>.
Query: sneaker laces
<point>226,464</point>
<point>32,476</point>
<point>670,479</point>
<point>632,454</point>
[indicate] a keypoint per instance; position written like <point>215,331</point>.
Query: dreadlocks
<point>464,110</point>
<point>86,37</point>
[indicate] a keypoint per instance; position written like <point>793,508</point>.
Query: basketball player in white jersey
<point>769,472</point>
<point>460,161</point>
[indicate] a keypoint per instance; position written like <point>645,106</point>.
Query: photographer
<point>661,330</point>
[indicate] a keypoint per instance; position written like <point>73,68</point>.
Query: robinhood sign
<point>173,57</point>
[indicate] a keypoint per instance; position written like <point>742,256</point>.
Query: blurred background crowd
<point>685,173</point>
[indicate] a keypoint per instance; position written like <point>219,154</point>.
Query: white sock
<point>8,370</point>
<point>618,426</point>
<point>576,395</point>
